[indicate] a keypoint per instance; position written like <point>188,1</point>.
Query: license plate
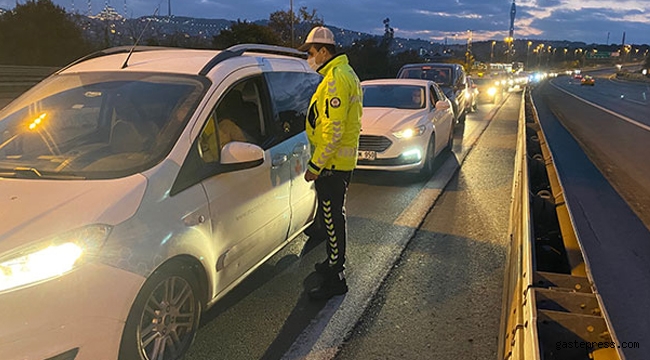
<point>367,155</point>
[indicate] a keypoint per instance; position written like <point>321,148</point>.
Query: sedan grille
<point>374,143</point>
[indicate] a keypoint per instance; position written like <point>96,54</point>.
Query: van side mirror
<point>236,152</point>
<point>442,105</point>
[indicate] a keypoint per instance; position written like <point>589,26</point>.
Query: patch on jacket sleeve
<point>335,102</point>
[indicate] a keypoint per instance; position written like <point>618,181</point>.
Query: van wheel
<point>427,168</point>
<point>165,316</point>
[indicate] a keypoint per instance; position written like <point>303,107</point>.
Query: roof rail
<point>238,50</point>
<point>112,51</point>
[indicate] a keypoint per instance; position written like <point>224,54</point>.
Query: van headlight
<point>51,257</point>
<point>410,132</point>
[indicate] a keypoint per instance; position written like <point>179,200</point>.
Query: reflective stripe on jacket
<point>334,118</point>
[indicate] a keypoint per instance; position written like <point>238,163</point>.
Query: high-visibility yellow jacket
<point>334,118</point>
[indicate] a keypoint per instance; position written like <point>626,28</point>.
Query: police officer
<point>333,125</point>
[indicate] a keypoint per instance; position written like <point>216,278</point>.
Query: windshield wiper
<point>28,172</point>
<point>33,173</point>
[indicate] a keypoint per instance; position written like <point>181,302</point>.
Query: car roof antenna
<point>137,41</point>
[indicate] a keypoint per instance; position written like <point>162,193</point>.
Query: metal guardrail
<point>550,309</point>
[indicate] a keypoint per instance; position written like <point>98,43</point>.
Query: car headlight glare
<point>492,91</point>
<point>410,132</point>
<point>52,257</point>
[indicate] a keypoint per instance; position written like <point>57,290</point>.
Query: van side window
<point>291,93</point>
<point>238,116</point>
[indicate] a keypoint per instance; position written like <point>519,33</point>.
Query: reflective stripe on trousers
<point>332,187</point>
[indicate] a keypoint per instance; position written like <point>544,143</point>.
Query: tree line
<point>38,32</point>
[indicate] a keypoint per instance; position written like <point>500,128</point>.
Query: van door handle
<point>279,159</point>
<point>299,149</point>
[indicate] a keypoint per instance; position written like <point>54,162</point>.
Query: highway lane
<point>629,99</point>
<point>269,317</point>
<point>614,134</point>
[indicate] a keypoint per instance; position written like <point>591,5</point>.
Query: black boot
<point>322,267</point>
<point>331,286</point>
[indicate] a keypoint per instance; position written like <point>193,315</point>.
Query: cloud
<point>542,19</point>
<point>451,15</point>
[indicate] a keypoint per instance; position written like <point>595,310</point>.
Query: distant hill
<point>198,32</point>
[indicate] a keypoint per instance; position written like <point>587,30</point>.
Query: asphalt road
<point>613,132</point>
<point>629,99</point>
<point>442,300</point>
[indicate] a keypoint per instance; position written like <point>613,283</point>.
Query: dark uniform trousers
<point>331,188</point>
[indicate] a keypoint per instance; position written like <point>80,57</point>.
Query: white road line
<point>622,117</point>
<point>636,101</point>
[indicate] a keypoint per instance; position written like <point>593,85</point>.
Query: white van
<point>137,189</point>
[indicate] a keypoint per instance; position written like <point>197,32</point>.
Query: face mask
<point>313,64</point>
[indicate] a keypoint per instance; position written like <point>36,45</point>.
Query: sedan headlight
<point>492,91</point>
<point>410,132</point>
<point>51,257</point>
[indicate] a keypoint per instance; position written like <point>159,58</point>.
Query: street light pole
<point>508,41</point>
<point>492,52</point>
<point>468,53</point>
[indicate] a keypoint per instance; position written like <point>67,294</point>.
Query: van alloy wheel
<point>164,318</point>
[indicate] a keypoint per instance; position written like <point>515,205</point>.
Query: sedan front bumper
<point>401,155</point>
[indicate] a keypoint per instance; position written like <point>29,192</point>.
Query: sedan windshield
<point>394,96</point>
<point>95,125</point>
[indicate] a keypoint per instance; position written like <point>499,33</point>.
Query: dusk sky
<point>576,20</point>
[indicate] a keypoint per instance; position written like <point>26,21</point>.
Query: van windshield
<point>95,125</point>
